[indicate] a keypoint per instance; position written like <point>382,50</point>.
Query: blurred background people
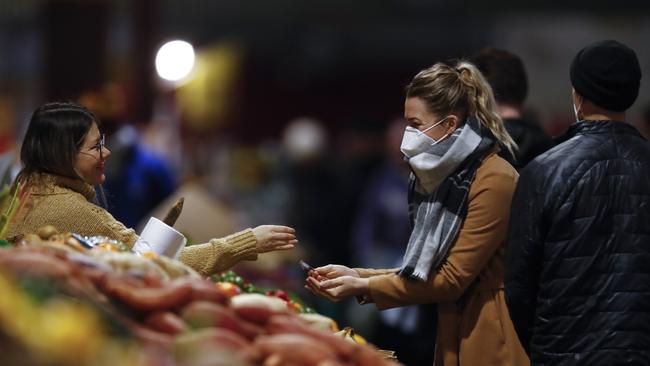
<point>506,75</point>
<point>11,134</point>
<point>312,183</point>
<point>9,166</point>
<point>138,179</point>
<point>577,274</point>
<point>381,227</point>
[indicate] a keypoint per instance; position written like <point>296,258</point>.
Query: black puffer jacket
<point>578,263</point>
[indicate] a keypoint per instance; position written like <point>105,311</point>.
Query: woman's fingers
<point>324,270</point>
<point>314,274</point>
<point>328,284</point>
<point>285,247</point>
<point>313,286</point>
<point>314,282</point>
<point>281,243</point>
<point>283,236</point>
<point>272,238</point>
<point>333,274</point>
<point>336,270</point>
<point>273,235</point>
<point>283,229</point>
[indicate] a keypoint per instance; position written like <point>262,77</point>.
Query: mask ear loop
<point>434,125</point>
<point>443,137</point>
<point>440,139</point>
<point>576,110</point>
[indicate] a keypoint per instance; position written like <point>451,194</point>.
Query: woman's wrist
<point>364,287</point>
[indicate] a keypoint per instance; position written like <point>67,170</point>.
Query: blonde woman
<point>459,203</point>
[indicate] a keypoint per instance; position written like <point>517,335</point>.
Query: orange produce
<point>229,289</point>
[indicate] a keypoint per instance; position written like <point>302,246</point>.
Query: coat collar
<point>587,127</point>
<point>43,183</point>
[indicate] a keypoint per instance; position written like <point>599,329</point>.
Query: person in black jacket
<point>506,75</point>
<point>578,249</point>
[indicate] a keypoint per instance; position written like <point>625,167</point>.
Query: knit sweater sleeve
<point>70,211</point>
<point>208,258</point>
<point>220,254</point>
<point>214,256</point>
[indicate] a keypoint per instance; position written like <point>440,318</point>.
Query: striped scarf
<point>438,194</point>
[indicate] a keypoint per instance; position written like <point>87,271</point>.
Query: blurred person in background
<point>360,145</point>
<point>506,75</point>
<point>459,196</point>
<point>380,229</point>
<point>63,156</point>
<point>381,225</point>
<point>578,250</point>
<point>9,166</point>
<point>10,133</point>
<point>138,180</point>
<point>326,181</point>
<point>313,200</point>
<point>313,186</point>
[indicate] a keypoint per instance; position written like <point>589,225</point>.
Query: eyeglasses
<point>100,143</point>
<point>99,146</point>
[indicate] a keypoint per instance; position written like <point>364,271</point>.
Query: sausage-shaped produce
<point>284,324</point>
<point>257,308</point>
<point>295,348</point>
<point>175,294</point>
<point>205,290</point>
<point>213,337</point>
<point>202,314</point>
<point>33,263</point>
<point>166,322</point>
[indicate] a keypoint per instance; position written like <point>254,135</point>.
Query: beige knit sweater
<point>64,203</point>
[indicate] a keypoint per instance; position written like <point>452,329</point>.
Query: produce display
<point>64,303</point>
<point>230,282</point>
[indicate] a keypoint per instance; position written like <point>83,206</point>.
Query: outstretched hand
<point>336,282</point>
<point>274,237</point>
<point>339,288</point>
<point>333,271</point>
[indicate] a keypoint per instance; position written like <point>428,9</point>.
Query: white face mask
<point>576,110</point>
<point>416,142</point>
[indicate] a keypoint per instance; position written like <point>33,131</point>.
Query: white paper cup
<point>161,239</point>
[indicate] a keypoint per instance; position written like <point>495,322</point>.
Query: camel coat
<point>474,327</point>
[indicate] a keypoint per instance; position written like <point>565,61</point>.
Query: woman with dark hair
<point>63,156</point>
<point>459,205</point>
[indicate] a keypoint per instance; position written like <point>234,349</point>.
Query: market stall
<point>72,300</point>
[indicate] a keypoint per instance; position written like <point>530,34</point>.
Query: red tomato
<point>281,294</point>
<point>278,293</point>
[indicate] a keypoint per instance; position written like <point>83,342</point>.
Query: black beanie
<point>608,74</point>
